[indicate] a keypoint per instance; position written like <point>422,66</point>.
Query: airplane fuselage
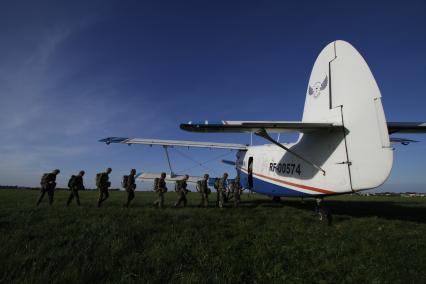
<point>269,170</point>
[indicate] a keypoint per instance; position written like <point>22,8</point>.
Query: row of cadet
<point>224,192</point>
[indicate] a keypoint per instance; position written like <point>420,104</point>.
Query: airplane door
<point>250,172</point>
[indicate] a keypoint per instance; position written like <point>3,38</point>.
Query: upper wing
<point>254,126</point>
<point>406,127</point>
<point>179,143</point>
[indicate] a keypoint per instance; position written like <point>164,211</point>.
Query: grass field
<point>372,239</point>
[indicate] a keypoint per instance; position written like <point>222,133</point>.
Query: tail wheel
<point>324,215</point>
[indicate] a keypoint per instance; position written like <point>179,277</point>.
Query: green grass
<point>372,239</point>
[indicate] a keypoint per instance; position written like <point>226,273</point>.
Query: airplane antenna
<point>168,160</point>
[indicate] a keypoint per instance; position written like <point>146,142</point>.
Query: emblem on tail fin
<point>316,89</point>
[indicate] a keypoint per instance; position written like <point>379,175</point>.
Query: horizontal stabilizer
<point>255,126</point>
<point>172,143</point>
<point>406,127</point>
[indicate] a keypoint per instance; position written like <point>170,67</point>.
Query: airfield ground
<point>372,239</point>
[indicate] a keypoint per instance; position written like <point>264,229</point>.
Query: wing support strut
<point>168,160</point>
<point>262,133</point>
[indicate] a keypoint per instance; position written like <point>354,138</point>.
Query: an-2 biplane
<point>344,145</point>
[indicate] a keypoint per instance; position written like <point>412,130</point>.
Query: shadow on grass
<point>391,210</point>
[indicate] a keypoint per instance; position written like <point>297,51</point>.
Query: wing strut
<point>262,133</point>
<point>168,160</point>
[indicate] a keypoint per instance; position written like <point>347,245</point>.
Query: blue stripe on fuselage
<point>268,188</point>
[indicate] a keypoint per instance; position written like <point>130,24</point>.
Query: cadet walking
<point>221,188</point>
<point>102,183</point>
<point>204,190</point>
<point>130,186</point>
<point>160,188</point>
<point>48,184</point>
<point>181,191</point>
<point>236,189</point>
<point>75,184</point>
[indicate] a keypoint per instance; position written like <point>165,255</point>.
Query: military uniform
<point>221,191</point>
<point>48,185</point>
<point>204,191</point>
<point>75,187</point>
<point>236,189</point>
<point>161,189</point>
<point>130,188</point>
<point>181,191</point>
<point>103,186</point>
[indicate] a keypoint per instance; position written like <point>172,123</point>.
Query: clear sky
<point>72,72</point>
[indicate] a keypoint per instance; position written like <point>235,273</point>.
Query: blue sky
<point>72,72</point>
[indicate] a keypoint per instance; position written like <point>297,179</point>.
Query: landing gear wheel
<point>276,199</point>
<point>324,215</point>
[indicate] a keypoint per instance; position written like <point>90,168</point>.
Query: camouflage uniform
<point>161,189</point>
<point>181,192</point>
<point>221,191</point>
<point>204,189</point>
<point>76,186</point>
<point>236,189</point>
<point>48,185</point>
<point>130,187</point>
<point>103,186</point>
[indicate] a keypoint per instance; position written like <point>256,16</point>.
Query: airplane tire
<point>324,215</point>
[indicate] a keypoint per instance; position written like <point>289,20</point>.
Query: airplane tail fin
<point>343,90</point>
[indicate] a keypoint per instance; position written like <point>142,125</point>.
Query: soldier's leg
<point>202,200</point>
<point>178,200</point>
<point>206,200</point>
<point>50,193</point>
<point>105,194</point>
<point>126,204</point>
<point>42,193</point>
<point>77,197</point>
<point>100,198</point>
<point>217,198</point>
<point>161,200</point>
<point>70,198</point>
<point>130,196</point>
<point>221,199</point>
<point>184,200</point>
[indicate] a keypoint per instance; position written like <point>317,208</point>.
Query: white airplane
<point>343,145</point>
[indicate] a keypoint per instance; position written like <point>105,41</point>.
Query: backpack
<point>98,179</point>
<point>216,184</point>
<point>156,181</point>
<point>178,185</point>
<point>124,181</point>
<point>71,182</point>
<point>43,179</point>
<point>198,187</point>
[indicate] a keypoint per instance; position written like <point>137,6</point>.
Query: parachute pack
<point>155,186</point>
<point>124,181</point>
<point>43,179</point>
<point>198,187</point>
<point>98,179</point>
<point>71,181</point>
<point>216,184</point>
